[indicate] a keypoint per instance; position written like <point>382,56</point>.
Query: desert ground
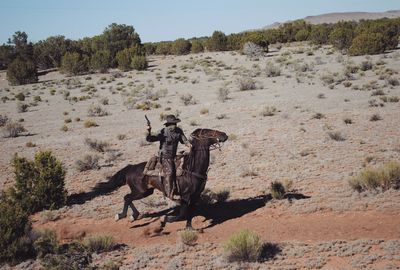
<point>312,124</point>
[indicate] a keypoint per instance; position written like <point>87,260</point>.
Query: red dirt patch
<point>271,225</point>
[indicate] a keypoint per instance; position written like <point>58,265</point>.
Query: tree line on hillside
<point>119,46</point>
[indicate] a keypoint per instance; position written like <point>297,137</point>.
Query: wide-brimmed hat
<point>171,119</point>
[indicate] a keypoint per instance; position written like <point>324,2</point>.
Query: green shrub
<point>15,226</point>
<point>181,46</point>
<point>197,46</point>
<point>384,178</point>
<point>72,63</point>
<point>188,237</point>
<point>342,36</point>
<point>45,243</point>
<point>20,96</point>
<point>243,246</point>
<point>367,43</point>
<point>99,243</point>
<point>22,71</point>
<point>39,183</point>
<point>101,61</point>
<point>139,62</point>
<point>217,42</point>
<point>277,190</point>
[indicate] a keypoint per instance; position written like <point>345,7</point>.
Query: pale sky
<point>158,20</point>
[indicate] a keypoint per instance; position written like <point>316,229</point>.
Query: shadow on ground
<point>220,212</point>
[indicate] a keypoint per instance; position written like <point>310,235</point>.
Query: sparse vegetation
<point>382,178</point>
<point>277,190</point>
<point>188,237</point>
<point>188,99</point>
<point>223,94</point>
<point>97,110</point>
<point>375,117</point>
<point>272,70</point>
<point>12,129</point>
<point>90,123</point>
<point>269,111</point>
<point>243,246</point>
<point>336,136</point>
<point>88,162</point>
<point>247,83</point>
<point>99,243</point>
<point>97,145</point>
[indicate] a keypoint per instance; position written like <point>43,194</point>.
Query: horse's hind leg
<point>128,198</point>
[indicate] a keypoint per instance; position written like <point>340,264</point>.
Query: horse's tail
<point>114,182</point>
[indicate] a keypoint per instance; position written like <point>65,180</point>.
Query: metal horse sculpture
<point>191,183</point>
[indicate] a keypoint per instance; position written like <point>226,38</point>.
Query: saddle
<point>154,166</point>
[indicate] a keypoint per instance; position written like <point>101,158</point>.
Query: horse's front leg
<point>189,216</point>
<point>181,216</point>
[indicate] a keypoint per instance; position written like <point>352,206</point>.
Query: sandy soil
<point>331,228</point>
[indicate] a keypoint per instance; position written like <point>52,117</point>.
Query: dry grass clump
<point>121,137</point>
<point>336,136</point>
<point>327,79</point>
<point>390,99</point>
<point>188,237</point>
<point>223,94</point>
<point>90,123</point>
<point>375,117</point>
<point>271,70</point>
<point>99,243</point>
<point>243,246</point>
<point>209,197</point>
<point>348,121</point>
<point>188,99</point>
<point>382,178</point>
<point>99,146</point>
<point>366,65</point>
<point>393,81</point>
<point>204,111</point>
<point>48,215</point>
<point>88,162</point>
<point>318,116</point>
<point>269,111</point>
<point>247,83</point>
<point>22,107</point>
<point>64,128</point>
<point>378,92</point>
<point>96,110</point>
<point>252,50</point>
<point>30,144</point>
<point>12,129</point>
<point>3,120</point>
<point>221,116</point>
<point>278,190</point>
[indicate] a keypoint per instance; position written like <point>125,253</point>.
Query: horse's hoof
<point>118,217</point>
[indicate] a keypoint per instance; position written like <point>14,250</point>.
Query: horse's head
<point>207,137</point>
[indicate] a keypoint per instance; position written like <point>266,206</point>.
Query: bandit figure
<point>169,137</point>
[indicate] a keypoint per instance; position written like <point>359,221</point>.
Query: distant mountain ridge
<point>343,16</point>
